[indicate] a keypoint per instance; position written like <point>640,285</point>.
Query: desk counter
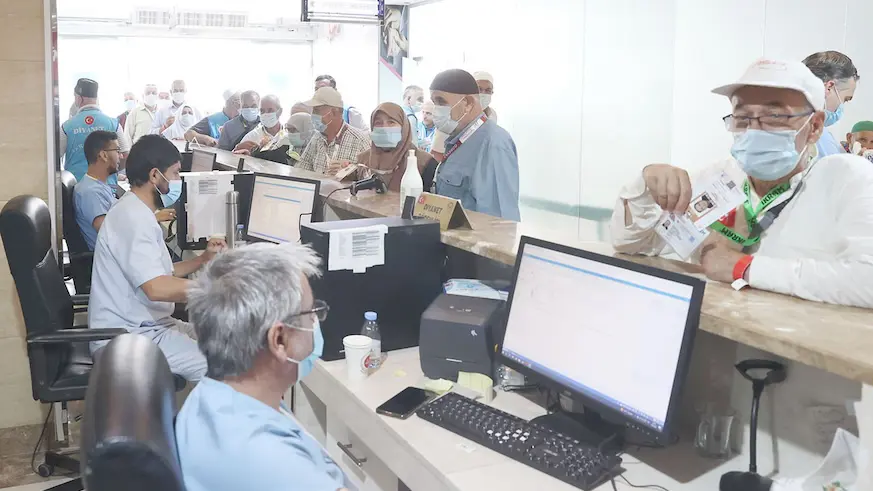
<point>833,338</point>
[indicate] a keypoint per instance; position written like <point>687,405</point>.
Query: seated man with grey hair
<point>259,328</point>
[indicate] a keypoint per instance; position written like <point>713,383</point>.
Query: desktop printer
<point>398,291</point>
<point>460,334</point>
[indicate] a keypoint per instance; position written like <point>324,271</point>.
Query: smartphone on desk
<point>404,404</point>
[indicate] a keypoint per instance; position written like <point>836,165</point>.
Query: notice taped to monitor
<point>357,248</point>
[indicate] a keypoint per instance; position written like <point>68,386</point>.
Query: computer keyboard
<point>558,455</point>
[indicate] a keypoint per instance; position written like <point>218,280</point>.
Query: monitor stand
<point>588,427</point>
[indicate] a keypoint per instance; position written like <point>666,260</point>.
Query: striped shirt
<point>347,146</point>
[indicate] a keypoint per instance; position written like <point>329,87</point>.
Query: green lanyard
<point>751,214</point>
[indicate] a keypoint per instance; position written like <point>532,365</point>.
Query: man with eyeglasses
<point>258,326</point>
<point>806,228</point>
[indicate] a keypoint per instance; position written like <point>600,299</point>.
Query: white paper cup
<point>357,356</point>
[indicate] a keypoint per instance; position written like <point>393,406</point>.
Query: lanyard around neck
<point>751,214</point>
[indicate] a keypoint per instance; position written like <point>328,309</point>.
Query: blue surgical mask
<point>416,107</point>
<point>173,194</point>
<point>767,155</point>
<point>831,117</point>
<point>442,118</point>
<point>318,123</point>
<point>296,140</point>
<point>250,114</point>
<point>305,366</point>
<point>387,137</point>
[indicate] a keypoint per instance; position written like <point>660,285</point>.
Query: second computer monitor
<point>614,334</point>
<point>202,161</point>
<point>279,205</point>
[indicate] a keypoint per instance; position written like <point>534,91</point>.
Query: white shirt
<point>164,114</point>
<point>820,248</point>
<point>356,119</point>
<point>265,140</point>
<point>139,122</point>
<point>130,251</point>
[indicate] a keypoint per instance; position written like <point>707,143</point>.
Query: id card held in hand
<point>681,233</point>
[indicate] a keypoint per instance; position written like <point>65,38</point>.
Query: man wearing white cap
<point>806,228</point>
<point>208,130</point>
<point>334,142</point>
<point>485,81</point>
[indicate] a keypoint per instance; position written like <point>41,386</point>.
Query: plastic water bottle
<point>411,183</point>
<point>371,330</point>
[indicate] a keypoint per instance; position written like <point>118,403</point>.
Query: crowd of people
<point>253,311</point>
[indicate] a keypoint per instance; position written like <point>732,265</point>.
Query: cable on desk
<point>327,198</point>
<point>637,486</point>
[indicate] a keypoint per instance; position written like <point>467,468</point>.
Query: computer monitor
<point>202,161</point>
<point>612,334</point>
<point>279,205</point>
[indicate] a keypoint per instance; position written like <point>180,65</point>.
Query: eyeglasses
<point>319,307</point>
<point>769,122</point>
<point>111,149</point>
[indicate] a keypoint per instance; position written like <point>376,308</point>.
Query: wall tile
<point>14,367</point>
<point>26,80</point>
<point>21,38</point>
<point>17,406</point>
<point>27,8</point>
<point>28,176</point>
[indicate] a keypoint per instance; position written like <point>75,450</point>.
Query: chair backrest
<point>72,234</point>
<point>128,439</point>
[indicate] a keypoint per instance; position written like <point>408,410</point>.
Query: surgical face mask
<point>186,120</point>
<point>270,119</point>
<point>305,366</point>
<point>250,114</point>
<point>178,97</point>
<point>150,99</point>
<point>442,118</point>
<point>175,191</point>
<point>767,155</point>
<point>318,123</point>
<point>416,107</point>
<point>296,140</point>
<point>387,137</point>
<point>485,100</point>
<point>130,104</point>
<point>831,117</point>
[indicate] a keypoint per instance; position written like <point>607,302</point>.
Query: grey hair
<point>250,94</point>
<point>240,295</point>
<point>412,89</point>
<point>272,98</point>
<point>831,65</point>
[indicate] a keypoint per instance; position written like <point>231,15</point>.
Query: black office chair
<point>81,258</point>
<point>128,438</point>
<point>60,360</point>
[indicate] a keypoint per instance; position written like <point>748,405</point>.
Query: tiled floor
<point>35,487</point>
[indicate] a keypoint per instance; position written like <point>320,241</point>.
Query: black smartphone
<point>404,404</point>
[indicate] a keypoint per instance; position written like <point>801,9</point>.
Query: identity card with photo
<point>715,196</point>
<point>681,233</point>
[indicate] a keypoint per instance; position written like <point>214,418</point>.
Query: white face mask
<point>187,120</point>
<point>164,103</point>
<point>150,99</point>
<point>269,120</point>
<point>485,100</point>
<point>178,97</point>
<point>130,104</point>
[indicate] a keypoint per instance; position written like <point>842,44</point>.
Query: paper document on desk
<point>357,248</point>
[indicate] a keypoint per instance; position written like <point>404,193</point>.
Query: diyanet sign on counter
<point>447,211</point>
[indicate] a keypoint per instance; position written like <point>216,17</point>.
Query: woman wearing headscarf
<point>299,128</point>
<point>391,142</point>
<point>185,119</point>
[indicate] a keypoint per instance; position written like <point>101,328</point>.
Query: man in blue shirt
<point>840,78</point>
<point>207,130</point>
<point>75,130</point>
<point>426,128</point>
<point>481,164</point>
<point>413,99</point>
<point>93,196</point>
<point>258,326</point>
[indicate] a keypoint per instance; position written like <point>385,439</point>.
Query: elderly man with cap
<point>480,166</point>
<point>334,142</point>
<point>208,130</point>
<point>860,140</point>
<point>806,227</point>
<point>351,115</point>
<point>166,116</point>
<point>75,131</point>
<point>248,119</point>
<point>486,91</point>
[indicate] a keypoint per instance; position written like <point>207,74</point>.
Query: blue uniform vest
<point>346,113</point>
<point>216,121</point>
<point>77,130</point>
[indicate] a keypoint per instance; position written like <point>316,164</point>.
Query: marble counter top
<point>833,338</point>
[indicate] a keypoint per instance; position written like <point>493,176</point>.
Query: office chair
<point>128,438</point>
<point>81,258</point>
<point>58,352</point>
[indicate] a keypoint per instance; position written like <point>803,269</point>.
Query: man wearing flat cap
<point>88,119</point>
<point>481,164</point>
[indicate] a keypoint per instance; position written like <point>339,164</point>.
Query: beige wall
<point>23,171</point>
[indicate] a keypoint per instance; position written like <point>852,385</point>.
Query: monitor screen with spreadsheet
<point>616,335</point>
<point>202,161</point>
<point>279,205</point>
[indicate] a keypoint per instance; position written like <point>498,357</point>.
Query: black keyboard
<point>560,456</point>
